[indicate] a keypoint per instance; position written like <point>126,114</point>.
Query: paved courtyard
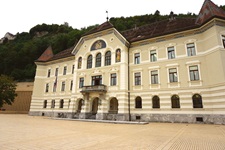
<point>23,132</point>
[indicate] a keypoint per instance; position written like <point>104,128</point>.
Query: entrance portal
<point>95,106</point>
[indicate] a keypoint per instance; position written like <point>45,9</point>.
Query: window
<point>138,102</point>
<point>175,101</point>
<point>73,67</point>
<point>98,60</point>
<point>197,101</point>
<point>45,104</point>
<point>89,62</point>
<point>61,103</point>
<point>56,71</point>
<point>191,49</point>
<point>96,80</point>
<point>55,84</point>
<point>71,85</point>
<point>107,58</point>
<point>63,86</point>
<point>79,63</point>
<point>118,55</point>
<point>155,102</point>
<point>154,77</point>
<point>47,87</point>
<point>223,40</point>
<point>137,78</point>
<point>137,58</point>
<point>49,72</point>
<point>53,104</point>
<point>173,75</point>
<point>64,70</point>
<point>113,79</point>
<point>81,84</point>
<point>194,74</point>
<point>171,52</point>
<point>153,55</point>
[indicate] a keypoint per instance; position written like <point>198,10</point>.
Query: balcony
<point>93,88</point>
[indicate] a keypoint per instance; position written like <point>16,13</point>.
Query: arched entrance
<point>94,109</point>
<point>113,106</point>
<point>80,103</point>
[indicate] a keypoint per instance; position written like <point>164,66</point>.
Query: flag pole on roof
<point>107,18</point>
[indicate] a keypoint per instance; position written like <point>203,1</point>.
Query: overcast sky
<point>22,15</point>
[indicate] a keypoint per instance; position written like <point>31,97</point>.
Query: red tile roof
<point>159,28</point>
<point>208,11</point>
<point>104,26</point>
<point>62,54</point>
<point>46,55</point>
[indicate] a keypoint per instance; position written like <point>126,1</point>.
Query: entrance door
<point>95,106</point>
<point>96,80</point>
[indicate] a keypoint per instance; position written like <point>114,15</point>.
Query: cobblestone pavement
<point>23,132</point>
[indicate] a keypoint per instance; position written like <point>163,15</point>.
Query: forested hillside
<point>18,56</point>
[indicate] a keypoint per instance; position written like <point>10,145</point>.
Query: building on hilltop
<point>168,71</point>
<point>8,36</point>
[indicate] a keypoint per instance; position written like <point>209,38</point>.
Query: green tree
<point>7,90</point>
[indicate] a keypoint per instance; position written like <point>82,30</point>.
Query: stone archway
<point>113,106</point>
<point>94,109</point>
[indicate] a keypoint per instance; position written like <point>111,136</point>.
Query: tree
<point>7,90</point>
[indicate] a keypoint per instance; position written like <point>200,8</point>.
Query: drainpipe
<point>129,85</point>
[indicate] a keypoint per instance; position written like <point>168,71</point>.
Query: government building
<point>167,71</point>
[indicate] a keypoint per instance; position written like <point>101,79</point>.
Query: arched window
<point>45,104</point>
<point>61,103</point>
<point>107,58</point>
<point>118,55</point>
<point>175,101</point>
<point>197,101</point>
<point>113,106</point>
<point>53,104</point>
<point>89,61</point>
<point>79,63</point>
<point>155,102</point>
<point>98,60</point>
<point>138,102</point>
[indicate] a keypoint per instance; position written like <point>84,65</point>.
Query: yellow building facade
<point>169,71</point>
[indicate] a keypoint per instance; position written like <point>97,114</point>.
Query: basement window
<point>199,119</point>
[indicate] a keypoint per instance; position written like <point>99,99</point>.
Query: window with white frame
<point>154,77</point>
<point>64,70</point>
<point>53,104</point>
<point>63,86</point>
<point>113,79</point>
<point>89,62</point>
<point>73,67</point>
<point>47,87</point>
<point>191,49</point>
<point>98,60</point>
<point>173,75</point>
<point>71,85</point>
<point>49,72</point>
<point>153,55</point>
<point>81,82</point>
<point>194,73</point>
<point>137,78</point>
<point>223,40</point>
<point>137,58</point>
<point>56,71</point>
<point>171,52</point>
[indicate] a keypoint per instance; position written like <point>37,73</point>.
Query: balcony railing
<point>93,88</point>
